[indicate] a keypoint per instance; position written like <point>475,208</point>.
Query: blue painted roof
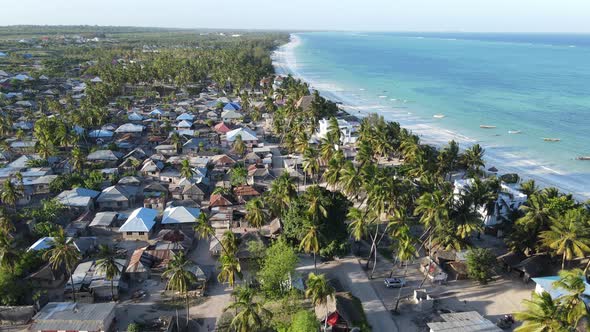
<point>232,107</point>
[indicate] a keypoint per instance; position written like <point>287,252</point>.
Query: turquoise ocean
<point>445,86</point>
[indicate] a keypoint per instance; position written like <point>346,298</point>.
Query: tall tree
<point>109,263</point>
<point>63,254</point>
<point>9,194</point>
<point>568,235</point>
<point>311,242</point>
<point>541,314</point>
<point>180,278</point>
<point>186,171</point>
<point>473,158</point>
<point>251,315</point>
<point>255,213</point>
<point>239,146</point>
<point>319,291</point>
<point>405,252</point>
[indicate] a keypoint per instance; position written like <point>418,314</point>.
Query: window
<point>129,233</point>
<point>141,233</point>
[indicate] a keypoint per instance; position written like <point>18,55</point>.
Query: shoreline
<point>285,62</point>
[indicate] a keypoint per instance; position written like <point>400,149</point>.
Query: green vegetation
<point>277,266</point>
<point>480,264</point>
<point>304,321</point>
<point>565,313</point>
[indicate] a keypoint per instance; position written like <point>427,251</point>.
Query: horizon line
<point>288,30</point>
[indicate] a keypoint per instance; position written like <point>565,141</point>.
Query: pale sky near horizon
<point>356,15</point>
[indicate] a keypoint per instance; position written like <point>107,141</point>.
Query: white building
<point>346,130</point>
<point>509,199</point>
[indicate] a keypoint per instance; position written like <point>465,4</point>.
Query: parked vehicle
<point>394,282</point>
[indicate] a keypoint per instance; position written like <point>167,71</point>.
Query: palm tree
<point>9,194</point>
<point>238,174</point>
<point>433,208</point>
<point>63,253</point>
<point>537,216</point>
<point>568,235</point>
<point>108,262</point>
<point>251,315</point>
<point>255,213</point>
<point>6,225</point>
<point>465,219</point>
<point>239,146</point>
<point>350,181</point>
<point>317,203</point>
<point>186,170</point>
<point>326,150</point>
<point>8,254</point>
<point>311,243</point>
<point>78,159</point>
<point>473,158</point>
<point>405,252</point>
<point>542,314</point>
<point>282,192</point>
<point>204,229</point>
<point>176,140</point>
<point>332,173</point>
<point>311,163</point>
<point>529,188</point>
<point>318,290</point>
<point>574,283</point>
<point>180,278</point>
<point>334,135</point>
<point>229,270</point>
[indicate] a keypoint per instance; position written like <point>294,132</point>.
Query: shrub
<point>480,264</point>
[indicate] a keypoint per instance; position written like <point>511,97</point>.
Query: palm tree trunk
<point>72,282</point>
<point>187,310</point>
<point>314,263</point>
<point>399,293</point>
<point>563,261</point>
<point>374,264</point>
<point>112,290</point>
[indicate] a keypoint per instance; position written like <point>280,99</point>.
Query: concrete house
<point>139,224</point>
<point>117,197</point>
<point>180,216</point>
<point>78,198</point>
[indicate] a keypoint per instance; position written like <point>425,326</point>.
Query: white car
<point>394,282</point>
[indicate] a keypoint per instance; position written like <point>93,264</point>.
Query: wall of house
<point>113,205</point>
<point>136,236</point>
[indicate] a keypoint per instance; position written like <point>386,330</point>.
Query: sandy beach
<point>504,158</point>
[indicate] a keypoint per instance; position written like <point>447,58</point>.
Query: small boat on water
<point>583,158</point>
<point>548,139</point>
<point>438,116</point>
<point>486,127</point>
<point>514,131</point>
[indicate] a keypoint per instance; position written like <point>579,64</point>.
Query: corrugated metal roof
<point>74,317</point>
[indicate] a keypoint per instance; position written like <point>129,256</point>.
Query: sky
<point>351,15</point>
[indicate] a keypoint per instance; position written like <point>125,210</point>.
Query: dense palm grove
<point>392,187</point>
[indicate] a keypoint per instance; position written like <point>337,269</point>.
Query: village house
<point>117,197</point>
<point>78,198</point>
<point>75,317</point>
<point>139,224</point>
<point>180,216</point>
<point>248,136</point>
